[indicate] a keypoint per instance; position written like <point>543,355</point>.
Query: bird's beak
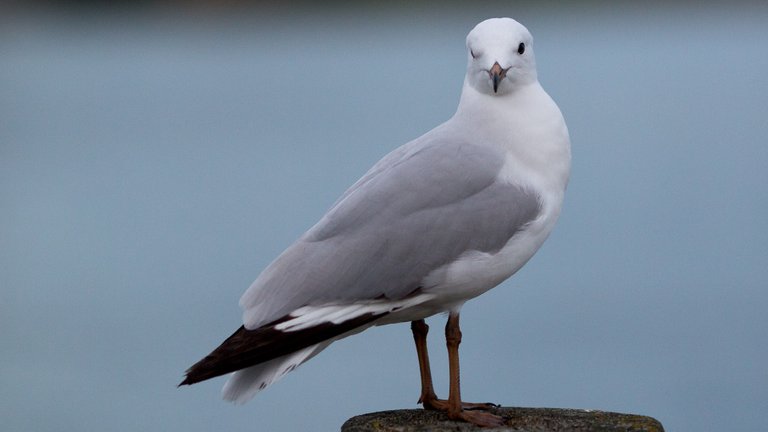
<point>497,74</point>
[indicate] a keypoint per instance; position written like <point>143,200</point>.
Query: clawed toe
<point>435,404</point>
<point>472,412</point>
<point>479,406</point>
<point>479,418</point>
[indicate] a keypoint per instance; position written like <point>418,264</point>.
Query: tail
<point>245,383</point>
<point>270,351</point>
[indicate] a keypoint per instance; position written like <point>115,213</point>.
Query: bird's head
<point>500,56</point>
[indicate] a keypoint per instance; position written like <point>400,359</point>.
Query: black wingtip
<point>246,348</point>
<point>194,374</point>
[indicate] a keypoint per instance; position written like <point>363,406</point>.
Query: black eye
<point>521,48</point>
<point>472,53</point>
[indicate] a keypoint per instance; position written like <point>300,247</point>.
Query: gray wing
<point>419,208</point>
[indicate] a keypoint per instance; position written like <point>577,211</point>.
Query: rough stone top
<point>516,419</point>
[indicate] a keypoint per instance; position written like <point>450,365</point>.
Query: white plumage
<point>438,221</point>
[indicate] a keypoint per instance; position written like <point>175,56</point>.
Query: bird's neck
<point>526,123</point>
<point>494,111</point>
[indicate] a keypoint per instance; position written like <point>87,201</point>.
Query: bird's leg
<point>427,397</point>
<point>455,409</point>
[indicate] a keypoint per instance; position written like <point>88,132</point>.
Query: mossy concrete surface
<point>516,419</point>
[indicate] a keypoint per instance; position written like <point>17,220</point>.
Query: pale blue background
<point>151,166</point>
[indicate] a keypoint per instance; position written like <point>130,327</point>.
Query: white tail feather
<point>310,316</point>
<point>244,384</point>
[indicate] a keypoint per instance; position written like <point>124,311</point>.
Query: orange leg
<point>455,409</point>
<point>428,398</point>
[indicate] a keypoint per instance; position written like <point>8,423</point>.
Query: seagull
<point>436,222</point>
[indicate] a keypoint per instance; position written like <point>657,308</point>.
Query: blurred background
<point>155,156</point>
